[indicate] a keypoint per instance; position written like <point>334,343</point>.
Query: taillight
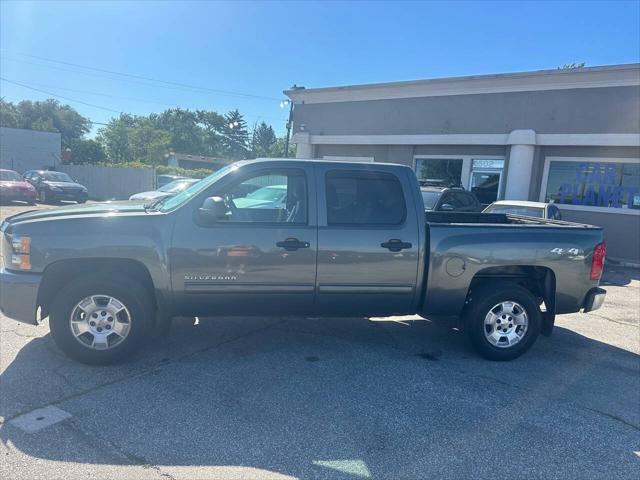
<point>597,264</point>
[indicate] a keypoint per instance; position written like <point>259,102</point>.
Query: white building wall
<point>23,150</point>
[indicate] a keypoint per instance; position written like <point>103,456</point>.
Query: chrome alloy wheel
<point>506,324</point>
<point>100,322</point>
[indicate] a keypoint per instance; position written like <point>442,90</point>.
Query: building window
<point>593,183</point>
<point>445,170</point>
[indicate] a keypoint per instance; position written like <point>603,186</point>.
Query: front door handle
<point>395,245</point>
<point>292,244</point>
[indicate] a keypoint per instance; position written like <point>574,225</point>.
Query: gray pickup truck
<point>293,237</point>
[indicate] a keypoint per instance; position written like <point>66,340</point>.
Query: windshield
<point>430,199</point>
<point>56,176</point>
<point>184,196</point>
<point>516,210</point>
<point>271,194</point>
<point>9,176</point>
<point>176,186</point>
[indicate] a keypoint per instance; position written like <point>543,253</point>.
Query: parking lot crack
<point>134,459</point>
<point>559,400</point>
<point>148,371</point>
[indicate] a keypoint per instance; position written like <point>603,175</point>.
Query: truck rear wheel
<point>503,321</point>
<point>101,321</point>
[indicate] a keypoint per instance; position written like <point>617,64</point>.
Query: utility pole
<point>283,104</point>
<point>289,124</point>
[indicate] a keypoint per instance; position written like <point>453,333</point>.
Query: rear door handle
<point>395,245</point>
<point>292,244</point>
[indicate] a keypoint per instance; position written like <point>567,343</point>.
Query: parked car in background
<point>162,180</point>
<point>53,186</point>
<point>167,190</point>
<point>529,209</point>
<point>14,187</point>
<point>439,197</point>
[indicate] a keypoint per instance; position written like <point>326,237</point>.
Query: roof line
<point>584,77</point>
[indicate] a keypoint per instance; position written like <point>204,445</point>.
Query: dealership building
<point>569,136</point>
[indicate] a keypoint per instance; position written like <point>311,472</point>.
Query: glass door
<point>486,185</point>
<point>486,179</point>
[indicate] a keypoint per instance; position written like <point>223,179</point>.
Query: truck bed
<point>462,218</point>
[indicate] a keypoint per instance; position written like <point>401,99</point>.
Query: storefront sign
<point>598,185</point>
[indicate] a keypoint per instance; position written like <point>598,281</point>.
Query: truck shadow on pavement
<point>619,276</point>
<point>332,398</point>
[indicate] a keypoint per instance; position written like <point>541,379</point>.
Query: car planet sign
<point>600,187</point>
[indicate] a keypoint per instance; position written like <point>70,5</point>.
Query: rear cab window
<point>364,198</point>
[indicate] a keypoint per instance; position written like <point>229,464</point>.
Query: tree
<point>278,149</point>
<point>9,116</point>
<point>236,136</point>
<point>48,115</point>
<point>571,66</point>
<point>115,138</point>
<point>185,133</point>
<point>262,141</point>
<point>213,127</point>
<point>148,144</point>
<point>87,151</point>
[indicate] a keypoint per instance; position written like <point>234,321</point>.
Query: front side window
<point>364,198</point>
<point>594,184</point>
<point>269,197</point>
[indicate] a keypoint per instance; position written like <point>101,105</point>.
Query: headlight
<point>20,257</point>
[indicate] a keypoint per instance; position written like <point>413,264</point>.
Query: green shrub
<point>162,169</point>
<point>185,172</point>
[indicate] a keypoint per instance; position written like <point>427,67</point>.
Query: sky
<point>143,57</point>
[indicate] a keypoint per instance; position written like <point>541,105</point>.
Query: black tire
<point>131,294</point>
<point>482,301</point>
<point>81,200</point>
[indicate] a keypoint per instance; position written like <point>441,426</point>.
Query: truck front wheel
<point>101,321</point>
<point>502,321</point>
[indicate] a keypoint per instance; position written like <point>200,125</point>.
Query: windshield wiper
<point>154,204</point>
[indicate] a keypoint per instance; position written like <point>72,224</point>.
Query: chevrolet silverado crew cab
<point>329,239</point>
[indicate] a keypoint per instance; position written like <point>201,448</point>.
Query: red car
<point>14,187</point>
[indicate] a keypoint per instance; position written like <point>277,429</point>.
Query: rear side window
<point>364,198</point>
<point>453,200</point>
<point>465,199</point>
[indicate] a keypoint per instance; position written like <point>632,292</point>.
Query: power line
<point>31,86</point>
<point>118,97</point>
<point>59,96</point>
<point>257,117</point>
<point>150,79</point>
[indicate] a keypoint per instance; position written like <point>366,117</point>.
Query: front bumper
<point>19,295</point>
<point>24,195</point>
<point>74,197</point>
<point>594,299</point>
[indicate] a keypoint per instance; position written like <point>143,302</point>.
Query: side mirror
<point>213,209</point>
<point>447,207</point>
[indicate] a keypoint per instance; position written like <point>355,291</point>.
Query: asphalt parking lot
<point>339,398</point>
